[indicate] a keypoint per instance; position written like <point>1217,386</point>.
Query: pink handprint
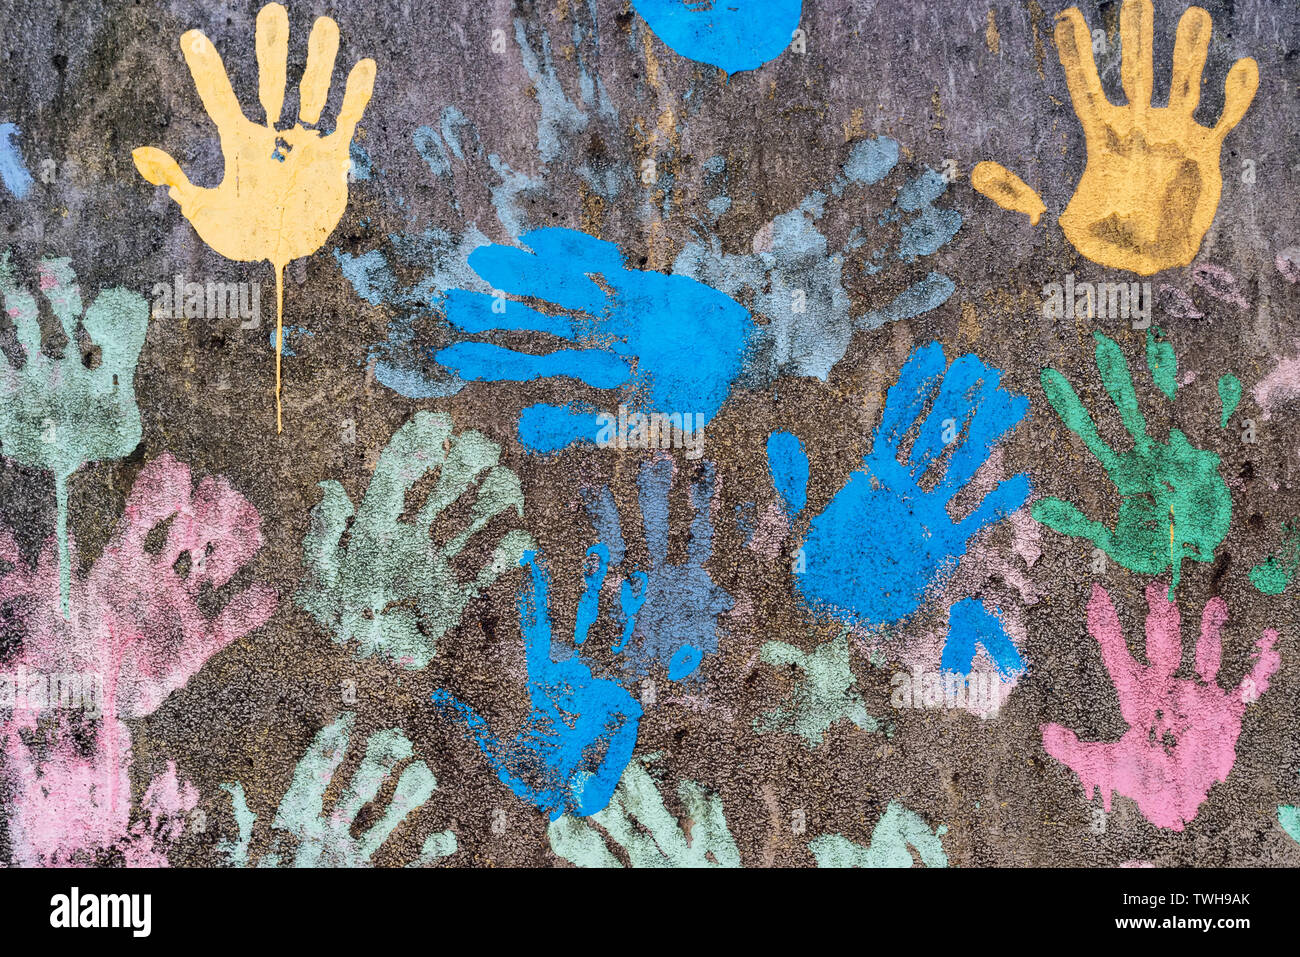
<point>137,628</point>
<point>1182,736</point>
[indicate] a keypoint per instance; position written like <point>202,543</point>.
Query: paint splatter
<point>823,697</point>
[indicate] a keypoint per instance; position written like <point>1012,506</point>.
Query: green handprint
<point>824,697</point>
<point>660,840</point>
<point>1175,504</point>
<point>392,587</point>
<point>57,414</point>
<point>889,847</point>
<point>326,840</point>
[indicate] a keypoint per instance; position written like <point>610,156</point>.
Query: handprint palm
<point>675,340</point>
<point>579,736</point>
<point>283,191</point>
<point>391,587</point>
<point>1152,183</point>
<point>1182,736</point>
<point>1174,503</point>
<point>884,539</point>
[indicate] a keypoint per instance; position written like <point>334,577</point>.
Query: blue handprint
<point>884,539</point>
<point>574,745</point>
<point>670,614</point>
<point>673,342</point>
<point>970,624</point>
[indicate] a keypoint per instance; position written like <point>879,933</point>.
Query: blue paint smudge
<point>12,170</point>
<point>914,543</point>
<point>733,35</point>
<point>788,463</point>
<point>971,624</point>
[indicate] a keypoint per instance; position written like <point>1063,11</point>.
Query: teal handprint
<point>659,840</point>
<point>326,839</point>
<point>1174,503</point>
<point>57,414</point>
<point>823,697</point>
<point>897,831</point>
<point>392,587</point>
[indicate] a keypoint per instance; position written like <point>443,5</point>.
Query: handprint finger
<point>1164,633</point>
<point>554,267</point>
<point>414,449</point>
<point>314,87</point>
<point>1238,92</point>
<point>477,312</point>
<point>630,600</point>
<point>320,546</point>
<point>470,453</point>
<point>700,546</point>
<point>603,513</point>
<point>947,413</point>
<point>160,169</point>
<point>1136,36</point>
<point>499,492</point>
<point>512,547</point>
<point>21,307</point>
<point>59,287</point>
<point>1089,760</point>
<point>1190,47</point>
<point>221,530</point>
<point>384,751</point>
<point>1117,381</point>
<point>117,321</point>
<point>1074,46</point>
<point>1267,661</point>
<point>1124,671</point>
<point>415,786</point>
<point>272,41</point>
<point>593,581</point>
<point>996,413</point>
<point>1076,417</point>
<point>304,801</point>
<point>211,81</point>
<point>486,362</point>
<point>788,464</point>
<point>905,399</point>
<point>1209,650</point>
<point>356,94</point>
<point>654,483</point>
<point>1009,495</point>
<point>1064,517</point>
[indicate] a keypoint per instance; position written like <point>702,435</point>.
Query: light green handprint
<point>659,841</point>
<point>58,414</point>
<point>1175,504</point>
<point>326,839</point>
<point>894,832</point>
<point>393,588</point>
<point>823,697</point>
<point>1288,815</point>
<point>1277,571</point>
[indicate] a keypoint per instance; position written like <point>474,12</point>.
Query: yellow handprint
<point>283,191</point>
<point>1152,182</point>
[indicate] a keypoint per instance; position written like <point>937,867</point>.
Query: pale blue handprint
<point>885,539</point>
<point>573,746</point>
<point>669,344</point>
<point>670,612</point>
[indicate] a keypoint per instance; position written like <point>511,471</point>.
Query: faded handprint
<point>638,821</point>
<point>809,292</point>
<point>896,833</point>
<point>1152,182</point>
<point>822,698</point>
<point>670,611</point>
<point>283,191</point>
<point>667,343</point>
<point>1288,815</point>
<point>1182,736</point>
<point>914,543</point>
<point>572,749</point>
<point>326,839</point>
<point>1174,503</point>
<point>139,622</point>
<point>56,414</point>
<point>391,587</point>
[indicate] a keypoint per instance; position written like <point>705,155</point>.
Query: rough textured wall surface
<point>922,431</point>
